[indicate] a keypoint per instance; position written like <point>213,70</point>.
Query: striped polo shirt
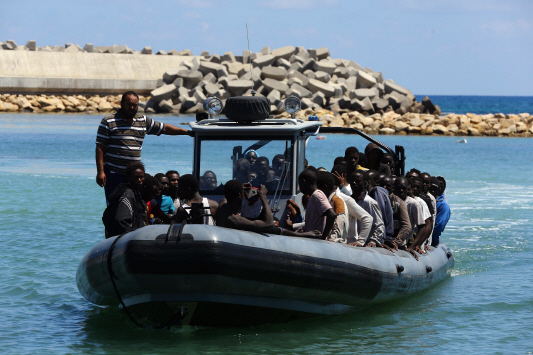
<point>123,140</point>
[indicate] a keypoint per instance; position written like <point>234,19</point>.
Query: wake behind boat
<point>215,276</point>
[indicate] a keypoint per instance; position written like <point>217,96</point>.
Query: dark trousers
<point>113,179</point>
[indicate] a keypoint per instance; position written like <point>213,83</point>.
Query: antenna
<point>251,73</point>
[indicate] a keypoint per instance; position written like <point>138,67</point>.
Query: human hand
<point>385,246</point>
<point>413,253</point>
<point>262,191</point>
<point>288,222</point>
<point>355,244</point>
<point>392,244</point>
<point>341,177</point>
<point>101,179</point>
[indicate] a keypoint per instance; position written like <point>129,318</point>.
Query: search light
<point>213,106</point>
<point>292,105</point>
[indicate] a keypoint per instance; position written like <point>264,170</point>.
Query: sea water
<point>50,216</point>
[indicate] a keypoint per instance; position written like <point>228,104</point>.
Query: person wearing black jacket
<point>126,210</point>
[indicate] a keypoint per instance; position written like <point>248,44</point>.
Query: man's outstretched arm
<point>171,130</point>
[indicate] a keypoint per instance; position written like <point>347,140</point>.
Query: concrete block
<point>344,103</point>
<point>178,82</point>
<point>263,61</point>
<point>239,87</point>
<point>379,103</point>
<point>31,45</point>
<point>274,96</point>
<point>271,84</point>
<point>378,76</point>
<point>310,74</point>
<point>312,53</point>
<point>390,86</point>
<point>322,76</point>
<point>12,43</point>
<point>146,50</point>
<point>283,52</point>
<point>199,95</point>
<point>159,83</point>
<point>204,54</point>
<point>341,72</point>
<point>316,85</point>
<point>299,91</point>
<point>354,65</point>
<point>276,73</point>
<point>235,68</point>
<point>296,66</point>
<point>365,80</point>
<point>215,58</point>
<point>322,53</point>
<point>7,46</point>
<point>209,67</point>
<point>297,59</point>
<point>296,74</point>
<point>72,49</point>
<point>120,49</point>
<point>170,75</point>
<point>254,75</point>
<point>166,105</point>
<point>222,72</point>
<point>188,103</point>
<point>89,48</point>
<point>265,50</point>
<point>319,98</point>
<point>307,103</point>
<point>338,92</point>
<point>309,64</point>
<point>362,93</point>
<point>58,48</point>
<point>283,63</point>
<point>172,52</point>
<point>211,78</point>
<point>165,92</point>
<point>161,52</point>
<point>228,56</point>
<point>211,89</point>
<point>301,52</point>
<point>246,56</point>
<point>185,53</point>
<point>325,66</point>
<point>191,78</point>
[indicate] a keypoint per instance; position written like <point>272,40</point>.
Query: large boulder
<point>325,66</point>
<point>209,67</point>
<point>299,91</point>
<point>390,86</point>
<point>239,87</point>
<point>275,73</point>
<point>164,92</point>
<point>322,76</point>
<point>362,93</point>
<point>191,78</point>
<point>263,61</point>
<point>283,52</point>
<point>272,84</point>
<point>316,85</point>
<point>365,80</point>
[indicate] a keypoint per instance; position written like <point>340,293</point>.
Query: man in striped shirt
<point>119,141</point>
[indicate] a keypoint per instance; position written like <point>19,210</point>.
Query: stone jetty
<point>340,92</point>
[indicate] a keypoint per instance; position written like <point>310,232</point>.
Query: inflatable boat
<point>214,276</point>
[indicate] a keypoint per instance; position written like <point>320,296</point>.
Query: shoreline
<point>387,123</point>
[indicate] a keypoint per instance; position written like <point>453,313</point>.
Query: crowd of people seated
<point>359,202</point>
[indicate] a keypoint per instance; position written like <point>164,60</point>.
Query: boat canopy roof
<point>269,126</point>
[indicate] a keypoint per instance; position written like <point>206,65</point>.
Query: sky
<point>452,47</point>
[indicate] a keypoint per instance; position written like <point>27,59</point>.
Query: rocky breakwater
<point>60,103</point>
<point>500,125</point>
<point>338,85</point>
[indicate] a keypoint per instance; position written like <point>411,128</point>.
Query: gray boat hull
<point>206,275</point>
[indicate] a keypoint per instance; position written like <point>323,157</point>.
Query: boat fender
<point>429,269</point>
<point>399,268</point>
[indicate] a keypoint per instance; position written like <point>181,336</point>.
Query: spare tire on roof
<point>247,108</point>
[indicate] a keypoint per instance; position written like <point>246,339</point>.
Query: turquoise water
<point>50,217</point>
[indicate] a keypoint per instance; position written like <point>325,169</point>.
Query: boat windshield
<point>266,162</point>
